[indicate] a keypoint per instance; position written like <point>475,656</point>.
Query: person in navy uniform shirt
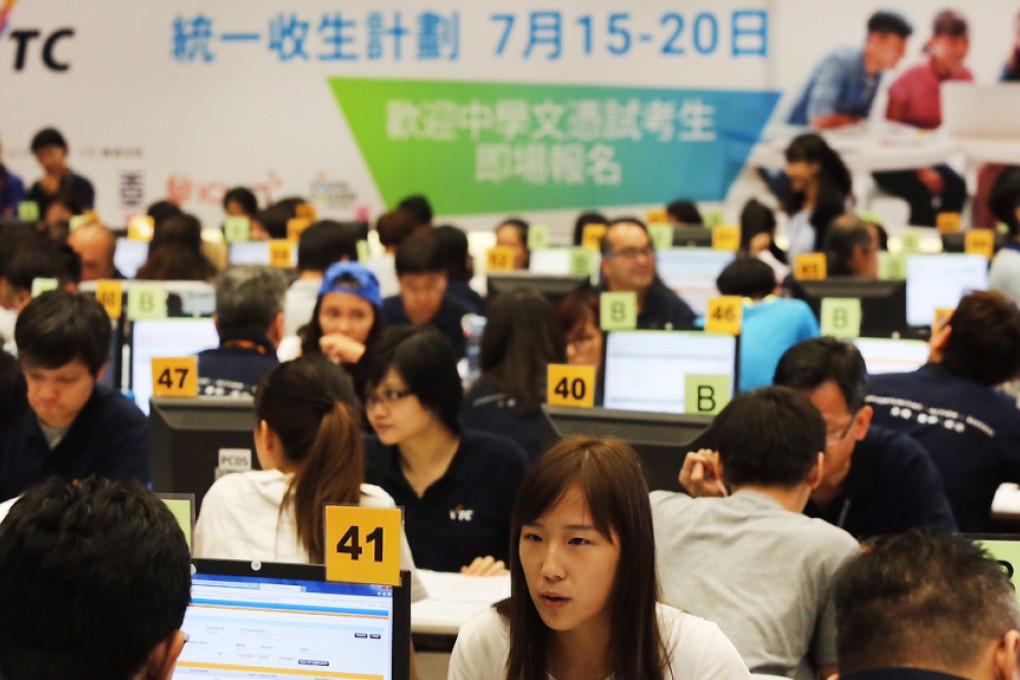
<point>50,150</point>
<point>628,265</point>
<point>75,427</point>
<point>457,487</point>
<point>950,405</point>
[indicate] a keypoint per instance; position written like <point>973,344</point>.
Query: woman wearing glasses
<point>457,486</point>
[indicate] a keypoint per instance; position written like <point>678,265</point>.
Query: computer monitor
<point>254,252</point>
<point>160,338</point>
<point>888,355</point>
<point>194,441</point>
<point>691,273</point>
<point>939,282</point>
<point>554,288</point>
<point>661,440</point>
<point>957,243</point>
<point>16,229</point>
<point>129,256</point>
<point>285,620</point>
<point>883,303</point>
<point>690,236</point>
<point>648,370</point>
<point>556,261</point>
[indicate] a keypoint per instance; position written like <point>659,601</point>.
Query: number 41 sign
<point>363,544</point>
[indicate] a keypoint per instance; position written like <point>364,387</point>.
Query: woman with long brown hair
<point>584,590</point>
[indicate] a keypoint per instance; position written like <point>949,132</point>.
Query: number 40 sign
<point>363,544</point>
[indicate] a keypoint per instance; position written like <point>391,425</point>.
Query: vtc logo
<point>23,37</point>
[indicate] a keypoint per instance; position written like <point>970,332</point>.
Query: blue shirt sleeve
<point>828,86</point>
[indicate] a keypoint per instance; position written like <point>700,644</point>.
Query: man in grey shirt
<point>751,562</point>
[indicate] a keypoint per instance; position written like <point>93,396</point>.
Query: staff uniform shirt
<point>12,192</point>
<point>489,409</point>
<point>74,184</point>
<point>971,431</point>
<point>447,320</point>
<point>465,513</point>
<point>697,649</point>
<point>235,367</point>
<point>467,296</point>
<point>840,83</point>
<point>109,438</point>
<point>892,486</point>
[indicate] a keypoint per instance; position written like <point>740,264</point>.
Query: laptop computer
<point>285,620</point>
<point>971,110</point>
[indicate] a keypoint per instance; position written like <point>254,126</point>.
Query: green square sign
<point>892,266</point>
<point>237,229</point>
<point>582,262</point>
<point>841,317</point>
<point>661,235</point>
<point>618,311</point>
<point>538,236</point>
<point>146,301</point>
<point>706,394</point>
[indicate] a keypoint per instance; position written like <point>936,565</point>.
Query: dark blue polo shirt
<point>664,310</point>
<point>236,366</point>
<point>898,674</point>
<point>464,514</point>
<point>971,431</point>
<point>73,184</point>
<point>892,486</point>
<point>447,320</point>
<point>109,438</point>
<point>467,295</point>
<point>489,409</point>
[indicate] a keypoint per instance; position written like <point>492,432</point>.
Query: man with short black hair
<point>423,299</point>
<point>50,150</point>
<point>249,320</point>
<point>850,248</point>
<point>842,87</point>
<point>751,562</point>
<point>319,247</point>
<point>628,265</point>
<point>95,578</point>
<point>418,205</point>
<point>76,427</point>
<point>240,202</point>
<point>950,405</point>
<point>926,606</point>
<point>41,259</point>
<point>393,228</point>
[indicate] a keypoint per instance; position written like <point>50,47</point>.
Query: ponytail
<point>331,472</point>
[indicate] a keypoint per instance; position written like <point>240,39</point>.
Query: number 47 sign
<point>363,544</point>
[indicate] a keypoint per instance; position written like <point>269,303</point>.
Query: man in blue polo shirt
<point>75,427</point>
<point>628,265</point>
<point>842,87</point>
<point>950,405</point>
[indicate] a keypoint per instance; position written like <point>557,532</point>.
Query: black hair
<point>274,220</point>
<point>453,248</point>
<point>244,197</point>
<point>175,252</point>
<point>949,22</point>
<point>48,137</point>
<point>921,598</point>
<point>425,360</point>
<point>70,199</point>
<point>890,22</point>
<point>834,182</point>
<point>311,335</point>
<point>770,437</point>
<point>420,254</point>
<point>323,244</point>
<point>418,205</point>
<point>13,392</point>
<point>58,327</point>
<point>521,338</point>
<point>846,233</point>
<point>1004,199</point>
<point>43,260</point>
<point>163,210</point>
<point>94,574</point>
<point>811,363</point>
<point>685,212</point>
<point>757,218</point>
<point>984,344</point>
<point>395,227</point>
<point>605,246</point>
<point>747,277</point>
<point>583,220</point>
<point>290,204</point>
<point>519,225</point>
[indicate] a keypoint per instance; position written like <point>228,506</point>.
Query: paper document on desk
<point>454,587</point>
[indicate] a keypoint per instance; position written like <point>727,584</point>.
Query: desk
<point>453,599</point>
<point>979,150</point>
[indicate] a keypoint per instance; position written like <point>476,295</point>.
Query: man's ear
<point>275,334</point>
<point>216,323</point>
<point>939,338</point>
<point>21,298</point>
<point>814,477</point>
<point>863,421</point>
<point>102,371</point>
<point>163,658</point>
<point>1005,656</point>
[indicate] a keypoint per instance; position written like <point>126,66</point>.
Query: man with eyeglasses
<point>874,480</point>
<point>628,265</point>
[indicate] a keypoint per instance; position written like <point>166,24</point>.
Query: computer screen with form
<point>647,370</point>
<point>158,338</point>
<point>291,624</point>
<point>691,273</point>
<point>886,355</point>
<point>939,282</point>
<point>129,256</point>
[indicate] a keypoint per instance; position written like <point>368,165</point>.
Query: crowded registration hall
<point>583,407</point>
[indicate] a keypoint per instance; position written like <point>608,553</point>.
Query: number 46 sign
<point>363,544</point>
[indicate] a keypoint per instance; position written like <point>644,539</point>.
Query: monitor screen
<point>659,439</point>
<point>883,303</point>
<point>647,370</point>
<point>691,273</point>
<point>160,338</point>
<point>939,282</point>
<point>284,621</point>
<point>554,288</point>
<point>691,236</point>
<point>555,261</point>
<point>886,355</point>
<point>254,252</point>
<point>129,256</point>
<point>195,441</point>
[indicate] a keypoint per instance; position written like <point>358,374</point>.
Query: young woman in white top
<point>309,444</point>
<point>583,584</point>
